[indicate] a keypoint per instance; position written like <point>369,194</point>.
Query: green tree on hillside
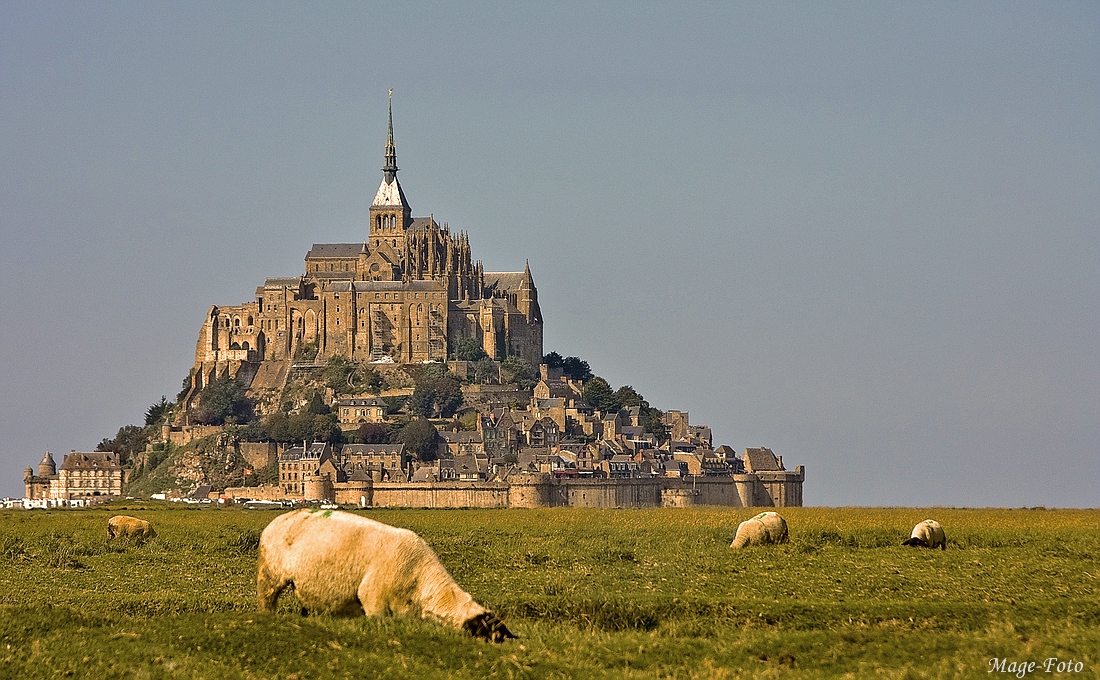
<point>186,387</point>
<point>628,396</point>
<point>599,395</point>
<point>653,422</point>
<point>223,401</point>
<point>469,349</point>
<point>296,429</point>
<point>421,440</point>
<point>576,368</point>
<point>485,370</point>
<point>306,352</point>
<point>436,398</point>
<point>317,405</point>
<point>325,429</point>
<point>516,371</point>
<point>344,376</point>
<point>156,413</point>
<point>339,374</point>
<point>373,433</point>
<point>573,367</point>
<point>128,442</point>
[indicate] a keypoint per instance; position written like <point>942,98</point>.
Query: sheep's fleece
<point>765,528</point>
<point>339,562</point>
<point>927,534</point>
<point>124,526</point>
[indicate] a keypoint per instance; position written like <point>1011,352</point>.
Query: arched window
<point>250,321</point>
<point>227,322</point>
<point>237,321</point>
<point>244,345</point>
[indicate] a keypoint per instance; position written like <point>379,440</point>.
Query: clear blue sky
<point>866,235</point>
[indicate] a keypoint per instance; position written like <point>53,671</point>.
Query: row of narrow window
<point>269,323</point>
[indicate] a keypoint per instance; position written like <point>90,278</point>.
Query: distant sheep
<point>124,526</point>
<point>765,528</point>
<point>927,534</point>
<point>338,562</point>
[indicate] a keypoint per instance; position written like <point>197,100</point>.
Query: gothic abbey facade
<point>409,293</point>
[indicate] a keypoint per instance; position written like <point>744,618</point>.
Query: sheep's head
<point>916,542</point>
<point>488,627</point>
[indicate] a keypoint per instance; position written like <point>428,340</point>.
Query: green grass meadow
<point>591,593</point>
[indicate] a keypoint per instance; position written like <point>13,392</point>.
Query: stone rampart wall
<point>188,433</point>
<point>261,454</point>
<point>441,495</point>
<point>761,489</point>
<point>263,492</point>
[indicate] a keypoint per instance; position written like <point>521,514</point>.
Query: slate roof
<point>499,282</point>
<point>467,465</point>
<point>282,281</point>
<point>292,454</point>
<point>421,224</point>
<point>96,460</point>
<point>376,449</point>
<point>316,450</point>
<point>461,437</point>
<point>761,459</point>
<point>342,251</point>
<point>559,388</point>
<point>416,285</point>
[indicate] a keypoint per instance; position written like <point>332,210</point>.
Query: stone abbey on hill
<point>408,293</point>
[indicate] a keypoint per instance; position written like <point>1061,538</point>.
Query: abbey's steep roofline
<point>389,193</point>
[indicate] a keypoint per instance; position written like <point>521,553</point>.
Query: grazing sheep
<point>927,534</point>
<point>338,562</point>
<point>765,528</point>
<point>124,526</point>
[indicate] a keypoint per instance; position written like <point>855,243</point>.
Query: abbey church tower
<point>390,213</point>
<point>407,291</point>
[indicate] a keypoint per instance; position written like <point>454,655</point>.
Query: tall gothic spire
<point>390,168</point>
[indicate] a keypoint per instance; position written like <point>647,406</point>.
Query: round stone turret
<point>28,473</point>
<point>47,468</point>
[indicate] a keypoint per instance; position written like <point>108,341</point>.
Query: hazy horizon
<point>866,236</point>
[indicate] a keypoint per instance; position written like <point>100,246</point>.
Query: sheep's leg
<point>371,598</point>
<point>268,588</point>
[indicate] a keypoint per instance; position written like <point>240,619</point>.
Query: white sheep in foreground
<point>124,526</point>
<point>338,562</point>
<point>765,528</point>
<point>927,534</point>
